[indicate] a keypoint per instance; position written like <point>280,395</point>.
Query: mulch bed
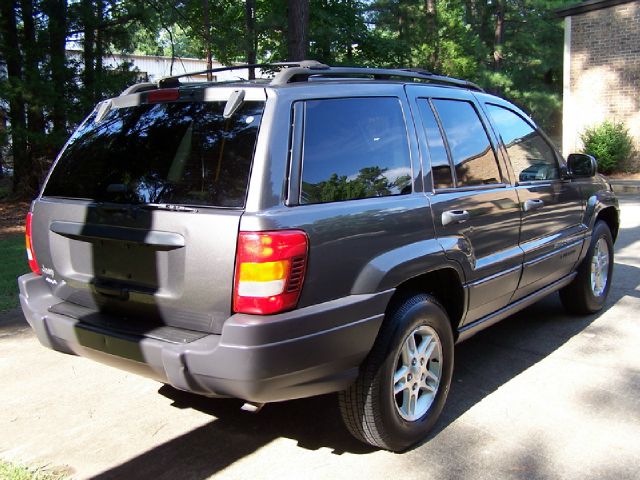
<point>12,217</point>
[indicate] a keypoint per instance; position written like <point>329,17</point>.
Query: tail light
<point>163,95</point>
<point>31,256</point>
<point>270,268</point>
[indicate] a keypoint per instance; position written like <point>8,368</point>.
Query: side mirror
<point>581,165</point>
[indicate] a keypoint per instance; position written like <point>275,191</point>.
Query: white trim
<point>568,123</point>
<point>261,289</point>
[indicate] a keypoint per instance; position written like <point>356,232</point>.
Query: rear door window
<point>473,157</point>
<point>354,148</point>
<point>440,166</point>
<point>177,153</point>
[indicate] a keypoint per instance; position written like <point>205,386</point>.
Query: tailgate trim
<point>109,232</point>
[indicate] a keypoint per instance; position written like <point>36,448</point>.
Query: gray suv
<point>331,229</point>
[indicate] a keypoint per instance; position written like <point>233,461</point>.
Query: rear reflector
<point>270,269</point>
<point>31,256</point>
<point>164,95</point>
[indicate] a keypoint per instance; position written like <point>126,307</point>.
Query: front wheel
<point>403,383</point>
<point>588,291</point>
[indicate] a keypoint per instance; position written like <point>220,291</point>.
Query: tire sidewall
<point>404,433</point>
<point>595,303</point>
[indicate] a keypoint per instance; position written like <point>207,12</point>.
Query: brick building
<point>601,68</point>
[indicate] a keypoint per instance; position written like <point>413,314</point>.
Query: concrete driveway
<point>541,395</point>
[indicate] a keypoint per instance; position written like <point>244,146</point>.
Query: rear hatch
<point>138,220</point>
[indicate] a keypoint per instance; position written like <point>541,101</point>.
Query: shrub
<point>610,143</point>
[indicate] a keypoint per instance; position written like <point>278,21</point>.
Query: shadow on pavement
<point>483,364</point>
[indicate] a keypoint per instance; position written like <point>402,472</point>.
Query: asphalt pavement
<point>542,395</point>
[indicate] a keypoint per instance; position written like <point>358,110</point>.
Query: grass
<point>11,471</point>
<point>13,263</point>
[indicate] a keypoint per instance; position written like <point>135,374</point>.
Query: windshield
<point>178,153</point>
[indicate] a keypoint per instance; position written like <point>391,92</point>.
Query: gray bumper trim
<point>305,352</point>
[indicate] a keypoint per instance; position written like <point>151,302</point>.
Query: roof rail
<point>301,71</point>
<point>302,74</point>
<point>173,81</point>
<point>139,87</point>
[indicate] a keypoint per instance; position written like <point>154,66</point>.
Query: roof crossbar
<point>308,64</point>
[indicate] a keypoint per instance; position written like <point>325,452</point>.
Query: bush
<point>610,143</point>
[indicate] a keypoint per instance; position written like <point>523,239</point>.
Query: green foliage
<point>610,143</point>
<point>14,263</point>
<point>11,471</point>
<point>452,37</point>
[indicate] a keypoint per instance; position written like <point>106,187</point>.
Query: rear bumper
<point>305,352</point>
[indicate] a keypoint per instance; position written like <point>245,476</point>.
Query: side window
<point>473,158</point>
<point>354,148</point>
<point>440,167</point>
<point>531,156</point>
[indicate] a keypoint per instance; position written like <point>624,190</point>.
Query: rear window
<point>178,153</point>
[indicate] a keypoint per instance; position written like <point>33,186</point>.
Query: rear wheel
<point>403,383</point>
<point>588,291</point>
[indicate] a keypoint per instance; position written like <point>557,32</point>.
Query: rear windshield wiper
<point>167,206</point>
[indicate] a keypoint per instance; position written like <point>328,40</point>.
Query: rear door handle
<point>533,204</point>
<point>455,216</point>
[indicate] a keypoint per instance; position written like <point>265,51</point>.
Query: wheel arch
<point>444,284</point>
<point>609,215</point>
<point>603,205</point>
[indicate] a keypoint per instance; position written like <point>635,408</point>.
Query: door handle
<point>455,216</point>
<point>534,204</point>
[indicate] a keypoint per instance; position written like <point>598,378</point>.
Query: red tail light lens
<point>31,256</point>
<point>270,268</point>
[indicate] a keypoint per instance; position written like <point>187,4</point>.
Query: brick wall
<point>604,72</point>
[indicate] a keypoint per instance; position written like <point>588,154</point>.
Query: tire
<point>588,292</point>
<point>370,409</point>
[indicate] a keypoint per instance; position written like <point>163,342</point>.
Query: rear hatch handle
<point>86,231</point>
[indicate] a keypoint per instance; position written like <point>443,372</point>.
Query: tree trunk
<point>297,31</point>
<point>35,133</point>
<point>498,36</point>
<point>431,21</point>
<point>3,130</point>
<point>207,37</point>
<point>56,11</point>
<point>87,17</point>
<point>99,56</point>
<point>173,50</point>
<point>13,58</point>
<point>252,39</point>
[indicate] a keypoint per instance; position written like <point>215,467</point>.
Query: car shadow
<point>483,364</point>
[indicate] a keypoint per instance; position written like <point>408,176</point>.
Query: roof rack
<point>302,71</point>
<point>139,87</point>
<point>173,81</point>
<point>302,74</point>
